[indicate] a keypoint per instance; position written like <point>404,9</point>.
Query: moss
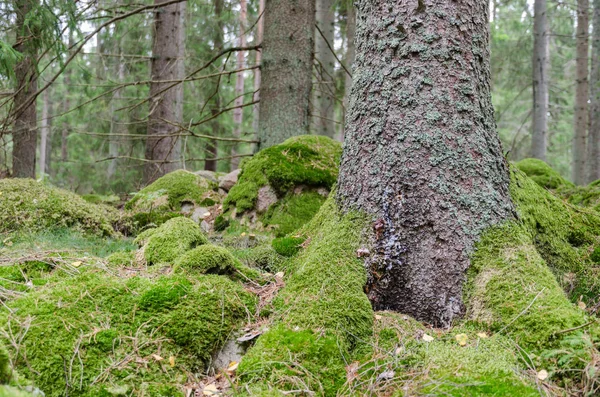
<point>100,199</point>
<point>121,258</point>
<point>163,199</point>
<point>10,391</point>
<point>208,259</point>
<point>292,212</point>
<point>322,312</point>
<point>5,370</point>
<point>287,246</point>
<point>103,333</point>
<point>142,238</point>
<point>30,206</point>
<point>172,239</point>
<point>262,257</point>
<point>309,160</point>
<point>585,196</point>
<point>221,223</point>
<point>595,256</point>
<point>543,174</point>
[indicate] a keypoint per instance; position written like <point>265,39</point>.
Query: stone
<point>266,198</point>
<point>208,175</point>
<point>226,182</point>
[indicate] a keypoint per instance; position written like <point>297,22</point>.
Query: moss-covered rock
<point>543,174</point>
<point>29,206</point>
<point>169,197</point>
<point>95,334</point>
<point>208,258</point>
<point>292,211</point>
<point>172,239</point>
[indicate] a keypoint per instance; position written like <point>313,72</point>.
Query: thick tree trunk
<point>166,108</point>
<point>260,25</point>
<point>594,135</point>
<point>325,88</point>
<point>25,123</point>
<point>286,70</point>
<point>211,149</point>
<point>349,59</point>
<point>541,66</point>
<point>238,112</point>
<point>44,133</point>
<point>421,154</point>
<point>581,94</point>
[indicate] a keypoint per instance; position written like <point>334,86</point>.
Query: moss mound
<point>94,334</point>
<point>172,239</point>
<point>165,197</point>
<point>29,206</point>
<point>543,174</point>
<point>208,259</point>
<point>287,246</point>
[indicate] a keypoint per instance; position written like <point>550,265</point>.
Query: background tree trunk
<point>286,70</point>
<point>594,135</point>
<point>581,94</point>
<point>44,133</point>
<point>25,122</point>
<point>349,59</point>
<point>541,66</point>
<point>325,88</point>
<point>421,153</point>
<point>257,73</point>
<point>238,112</point>
<point>115,122</point>
<point>166,108</point>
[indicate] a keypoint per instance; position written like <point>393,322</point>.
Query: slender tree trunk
<point>286,70</point>
<point>594,135</point>
<point>350,54</point>
<point>115,123</point>
<point>44,133</point>
<point>581,94</point>
<point>541,66</point>
<point>325,88</point>
<point>238,112</point>
<point>211,150</point>
<point>25,122</point>
<point>64,137</point>
<point>166,108</point>
<point>257,72</point>
<point>421,153</point>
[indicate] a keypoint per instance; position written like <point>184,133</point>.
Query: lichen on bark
<point>422,155</point>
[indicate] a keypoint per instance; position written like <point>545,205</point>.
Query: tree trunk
<point>594,135</point>
<point>64,137</point>
<point>581,94</point>
<point>286,70</point>
<point>166,108</point>
<point>257,73</point>
<point>238,112</point>
<point>25,122</point>
<point>211,150</point>
<point>115,123</point>
<point>541,66</point>
<point>421,154</point>
<point>325,87</point>
<point>350,54</point>
<point>44,133</point>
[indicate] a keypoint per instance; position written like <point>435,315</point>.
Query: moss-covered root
<point>172,239</point>
<point>322,312</point>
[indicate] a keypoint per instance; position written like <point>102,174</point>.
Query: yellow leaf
<point>482,335</point>
<point>542,375</point>
<point>378,317</point>
<point>243,234</point>
<point>233,366</point>
<point>428,338</point>
<point>172,361</point>
<point>279,275</point>
<point>462,339</point>
<point>581,305</point>
<point>157,357</point>
<point>210,390</point>
<point>76,264</point>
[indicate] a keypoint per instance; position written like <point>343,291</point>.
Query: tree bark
<point>44,133</point>
<point>260,25</point>
<point>64,136</point>
<point>581,93</point>
<point>25,122</point>
<point>166,108</point>
<point>325,88</point>
<point>350,54</point>
<point>238,112</point>
<point>288,47</point>
<point>594,134</point>
<point>541,67</point>
<point>115,122</point>
<point>421,154</point>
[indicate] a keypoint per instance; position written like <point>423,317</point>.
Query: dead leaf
<point>233,366</point>
<point>210,390</point>
<point>279,275</point>
<point>378,317</point>
<point>462,339</point>
<point>427,338</point>
<point>362,252</point>
<point>581,305</point>
<point>482,335</point>
<point>157,357</point>
<point>243,234</point>
<point>76,264</point>
<point>542,375</point>
<point>386,375</point>
<point>352,371</point>
<point>172,361</point>
<point>398,351</point>
<point>206,215</point>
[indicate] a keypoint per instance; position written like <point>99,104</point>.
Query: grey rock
<point>226,182</point>
<point>266,198</point>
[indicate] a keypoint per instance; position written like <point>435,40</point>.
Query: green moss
<point>322,312</point>
<point>292,212</point>
<point>121,258</point>
<point>543,174</point>
<point>595,256</point>
<point>9,391</point>
<point>172,239</point>
<point>262,257</point>
<point>221,223</point>
<point>309,160</point>
<point>163,199</point>
<point>585,196</point>
<point>208,258</point>
<point>287,246</point>
<point>100,199</point>
<point>102,333</point>
<point>5,370</point>
<point>142,238</point>
<point>30,206</point>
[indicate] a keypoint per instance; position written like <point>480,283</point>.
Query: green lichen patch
<point>322,313</point>
<point>95,334</point>
<point>164,198</point>
<point>172,239</point>
<point>208,258</point>
<point>30,206</point>
<point>543,174</point>
<point>309,160</point>
<point>292,212</point>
